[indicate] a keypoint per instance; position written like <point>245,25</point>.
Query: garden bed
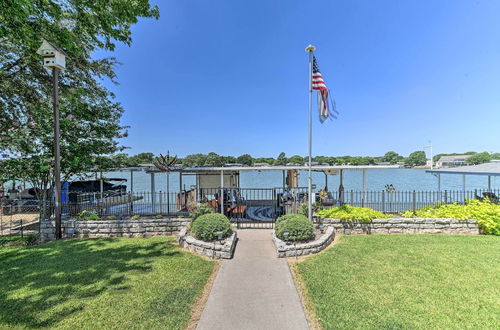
<point>291,249</point>
<point>223,249</point>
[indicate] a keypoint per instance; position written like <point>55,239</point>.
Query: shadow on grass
<point>40,286</point>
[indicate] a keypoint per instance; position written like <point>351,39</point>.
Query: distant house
<point>452,161</point>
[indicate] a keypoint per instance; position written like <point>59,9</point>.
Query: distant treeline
<point>416,158</point>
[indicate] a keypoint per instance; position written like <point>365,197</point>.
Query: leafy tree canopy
<point>245,159</point>
<point>281,160</point>
<point>89,114</point>
<point>416,158</point>
<point>480,158</point>
<point>392,157</point>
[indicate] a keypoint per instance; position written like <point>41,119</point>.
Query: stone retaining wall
<point>405,226</point>
<point>214,250</point>
<point>114,228</point>
<point>302,249</point>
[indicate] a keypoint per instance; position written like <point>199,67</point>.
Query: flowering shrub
<point>348,212</point>
<point>486,213</point>
<point>196,210</point>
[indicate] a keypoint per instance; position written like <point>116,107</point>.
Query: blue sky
<point>231,77</point>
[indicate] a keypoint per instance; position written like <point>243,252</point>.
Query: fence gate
<point>252,207</point>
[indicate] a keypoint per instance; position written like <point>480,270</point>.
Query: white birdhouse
<point>53,56</point>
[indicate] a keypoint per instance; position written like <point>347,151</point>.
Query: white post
<point>463,185</point>
<point>101,188</point>
<point>364,188</point>
<point>489,183</point>
<point>430,149</point>
<point>432,160</point>
<point>439,186</point>
<point>310,49</point>
<point>131,192</point>
<point>153,199</point>
<point>222,192</point>
<point>131,182</point>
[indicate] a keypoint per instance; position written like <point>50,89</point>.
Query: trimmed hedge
<point>206,226</point>
<point>298,227</point>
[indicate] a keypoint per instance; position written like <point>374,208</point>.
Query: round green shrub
<point>286,217</point>
<point>299,228</point>
<point>206,226</point>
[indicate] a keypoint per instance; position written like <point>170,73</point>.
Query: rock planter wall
<point>405,226</point>
<point>302,249</point>
<point>114,228</point>
<point>213,250</point>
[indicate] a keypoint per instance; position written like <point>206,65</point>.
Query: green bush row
<point>350,213</point>
<point>298,227</point>
<point>486,213</point>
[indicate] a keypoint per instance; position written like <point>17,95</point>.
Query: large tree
<point>281,160</point>
<point>416,158</point>
<point>392,157</point>
<point>90,117</point>
<point>479,158</point>
<point>245,159</point>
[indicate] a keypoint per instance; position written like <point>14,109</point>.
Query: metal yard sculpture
<point>166,164</point>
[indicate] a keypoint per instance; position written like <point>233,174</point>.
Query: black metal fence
<point>21,217</point>
<point>401,201</point>
<point>242,205</point>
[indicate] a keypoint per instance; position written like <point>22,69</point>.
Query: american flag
<point>318,84</point>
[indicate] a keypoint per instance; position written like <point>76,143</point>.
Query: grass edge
<point>305,299</point>
<point>201,300</point>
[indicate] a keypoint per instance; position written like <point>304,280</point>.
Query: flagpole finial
<point>310,48</point>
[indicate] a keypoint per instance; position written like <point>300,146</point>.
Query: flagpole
<point>310,49</point>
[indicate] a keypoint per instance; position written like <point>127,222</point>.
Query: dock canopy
<point>486,169</point>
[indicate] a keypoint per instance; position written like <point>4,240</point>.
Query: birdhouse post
<point>55,58</point>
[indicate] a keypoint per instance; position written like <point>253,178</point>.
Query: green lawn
<point>100,283</point>
<point>406,281</point>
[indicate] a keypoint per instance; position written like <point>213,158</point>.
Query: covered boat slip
<point>257,205</point>
<point>491,169</point>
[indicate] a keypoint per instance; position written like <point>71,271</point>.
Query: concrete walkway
<point>255,290</point>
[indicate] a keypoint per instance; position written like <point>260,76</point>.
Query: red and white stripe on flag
<point>318,84</point>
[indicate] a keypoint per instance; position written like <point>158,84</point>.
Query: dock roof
<point>260,168</point>
<point>489,169</point>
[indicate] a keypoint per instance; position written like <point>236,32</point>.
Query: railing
<point>18,217</point>
<point>122,205</point>
<point>401,201</point>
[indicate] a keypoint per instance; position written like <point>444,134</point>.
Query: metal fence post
<point>414,201</point>
<point>161,203</point>
<point>383,201</point>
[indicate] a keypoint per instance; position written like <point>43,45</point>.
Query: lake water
<point>376,179</point>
